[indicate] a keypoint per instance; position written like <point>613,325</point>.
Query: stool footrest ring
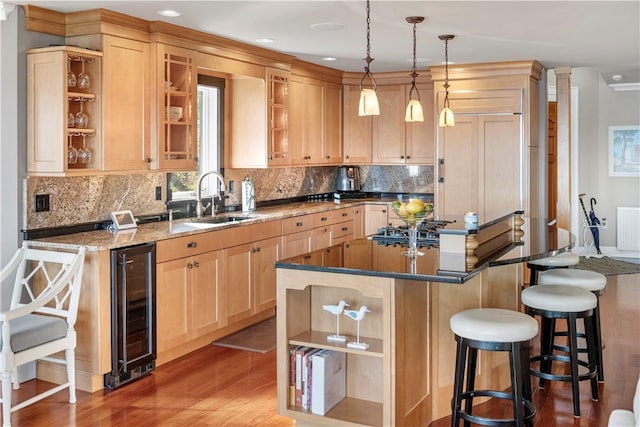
<point>530,409</point>
<point>592,371</point>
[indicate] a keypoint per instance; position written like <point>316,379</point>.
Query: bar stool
<point>563,260</point>
<point>493,329</point>
<point>591,281</point>
<point>552,302</point>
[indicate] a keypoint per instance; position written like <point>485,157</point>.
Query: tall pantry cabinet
<point>489,161</point>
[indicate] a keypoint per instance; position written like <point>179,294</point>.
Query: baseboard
<point>610,251</point>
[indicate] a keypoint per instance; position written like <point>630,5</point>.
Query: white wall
<point>601,107</point>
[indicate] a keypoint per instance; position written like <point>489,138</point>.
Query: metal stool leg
<point>456,404</point>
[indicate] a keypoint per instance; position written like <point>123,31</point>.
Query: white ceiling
<point>601,34</point>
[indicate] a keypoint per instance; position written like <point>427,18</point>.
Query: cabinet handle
<point>346,157</point>
<point>148,160</point>
<point>408,157</point>
<point>345,228</point>
<point>402,157</point>
<point>328,157</point>
<point>196,264</point>
<point>189,266</point>
<point>384,211</point>
<point>324,218</point>
<point>345,214</point>
<point>440,170</point>
<point>257,249</point>
<point>298,224</point>
<point>192,245</point>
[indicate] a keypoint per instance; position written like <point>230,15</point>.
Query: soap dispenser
<point>248,195</point>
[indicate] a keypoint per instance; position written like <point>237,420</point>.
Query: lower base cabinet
<point>187,299</point>
<point>250,278</point>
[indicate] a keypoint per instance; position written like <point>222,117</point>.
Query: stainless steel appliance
<point>133,314</point>
<point>348,178</point>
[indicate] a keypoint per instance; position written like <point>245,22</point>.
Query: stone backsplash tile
<point>76,200</point>
<point>81,199</point>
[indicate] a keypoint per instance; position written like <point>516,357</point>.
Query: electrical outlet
<point>232,186</point>
<point>603,223</point>
<point>158,193</point>
<point>42,203</point>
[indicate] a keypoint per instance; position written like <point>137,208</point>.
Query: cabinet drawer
<point>298,223</point>
<point>249,233</point>
<point>332,217</point>
<point>342,229</point>
<point>321,238</point>
<point>181,247</point>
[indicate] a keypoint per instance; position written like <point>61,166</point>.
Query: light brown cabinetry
<point>249,273</point>
<point>277,112</point>
<point>54,127</point>
<point>489,161</point>
<point>375,217</point>
<point>315,117</point>
<point>126,103</point>
<point>306,233</point>
<point>175,91</point>
<point>387,138</point>
<point>189,287</point>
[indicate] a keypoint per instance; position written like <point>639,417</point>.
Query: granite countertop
<point>155,231</point>
<point>375,259</point>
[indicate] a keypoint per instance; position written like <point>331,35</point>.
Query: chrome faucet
<point>199,207</point>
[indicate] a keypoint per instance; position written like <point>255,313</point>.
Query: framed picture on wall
<point>624,151</point>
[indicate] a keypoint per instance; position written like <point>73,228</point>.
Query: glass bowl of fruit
<point>412,212</point>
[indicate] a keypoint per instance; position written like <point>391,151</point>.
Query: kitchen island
<point>405,375</point>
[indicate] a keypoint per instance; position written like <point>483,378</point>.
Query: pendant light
<point>414,108</point>
<point>368,98</point>
<point>446,115</point>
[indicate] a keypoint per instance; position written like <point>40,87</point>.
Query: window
<point>210,137</point>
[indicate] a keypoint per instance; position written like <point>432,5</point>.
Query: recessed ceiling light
<point>617,77</point>
<point>327,26</point>
<point>265,40</point>
<point>169,13</point>
<point>329,58</point>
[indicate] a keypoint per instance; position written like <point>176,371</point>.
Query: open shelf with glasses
<point>63,111</point>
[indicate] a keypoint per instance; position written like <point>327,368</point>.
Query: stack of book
<point>317,378</point>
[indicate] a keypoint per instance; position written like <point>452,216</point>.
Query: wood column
<point>563,139</point>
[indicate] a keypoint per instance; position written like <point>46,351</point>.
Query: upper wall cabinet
<point>259,120</point>
<point>63,111</point>
<point>315,118</point>
<point>175,89</point>
<point>387,138</point>
<point>125,101</point>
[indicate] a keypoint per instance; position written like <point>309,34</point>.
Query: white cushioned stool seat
<point>624,417</point>
<point>585,279</point>
<point>564,259</point>
<point>493,325</point>
<point>558,298</point>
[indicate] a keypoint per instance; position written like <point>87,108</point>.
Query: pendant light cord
<point>446,73</point>
<point>369,59</point>
<point>414,74</point>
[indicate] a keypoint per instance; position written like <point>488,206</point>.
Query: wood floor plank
<point>218,386</point>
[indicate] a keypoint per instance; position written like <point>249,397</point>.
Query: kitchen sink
<point>220,219</point>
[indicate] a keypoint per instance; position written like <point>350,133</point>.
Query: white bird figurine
<point>337,310</point>
<point>358,315</point>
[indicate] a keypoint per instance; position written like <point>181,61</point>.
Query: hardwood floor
<point>218,386</point>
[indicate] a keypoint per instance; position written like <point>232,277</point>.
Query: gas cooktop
<point>427,235</point>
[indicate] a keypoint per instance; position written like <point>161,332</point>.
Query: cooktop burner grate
<point>399,236</point>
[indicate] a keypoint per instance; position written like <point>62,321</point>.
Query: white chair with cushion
<point>591,281</point>
<point>41,318</point>
<point>624,417</point>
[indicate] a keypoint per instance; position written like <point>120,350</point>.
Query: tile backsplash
<point>81,199</point>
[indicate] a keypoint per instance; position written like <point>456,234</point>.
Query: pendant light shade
<point>368,97</point>
<point>446,115</point>
<point>414,112</point>
<point>414,108</point>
